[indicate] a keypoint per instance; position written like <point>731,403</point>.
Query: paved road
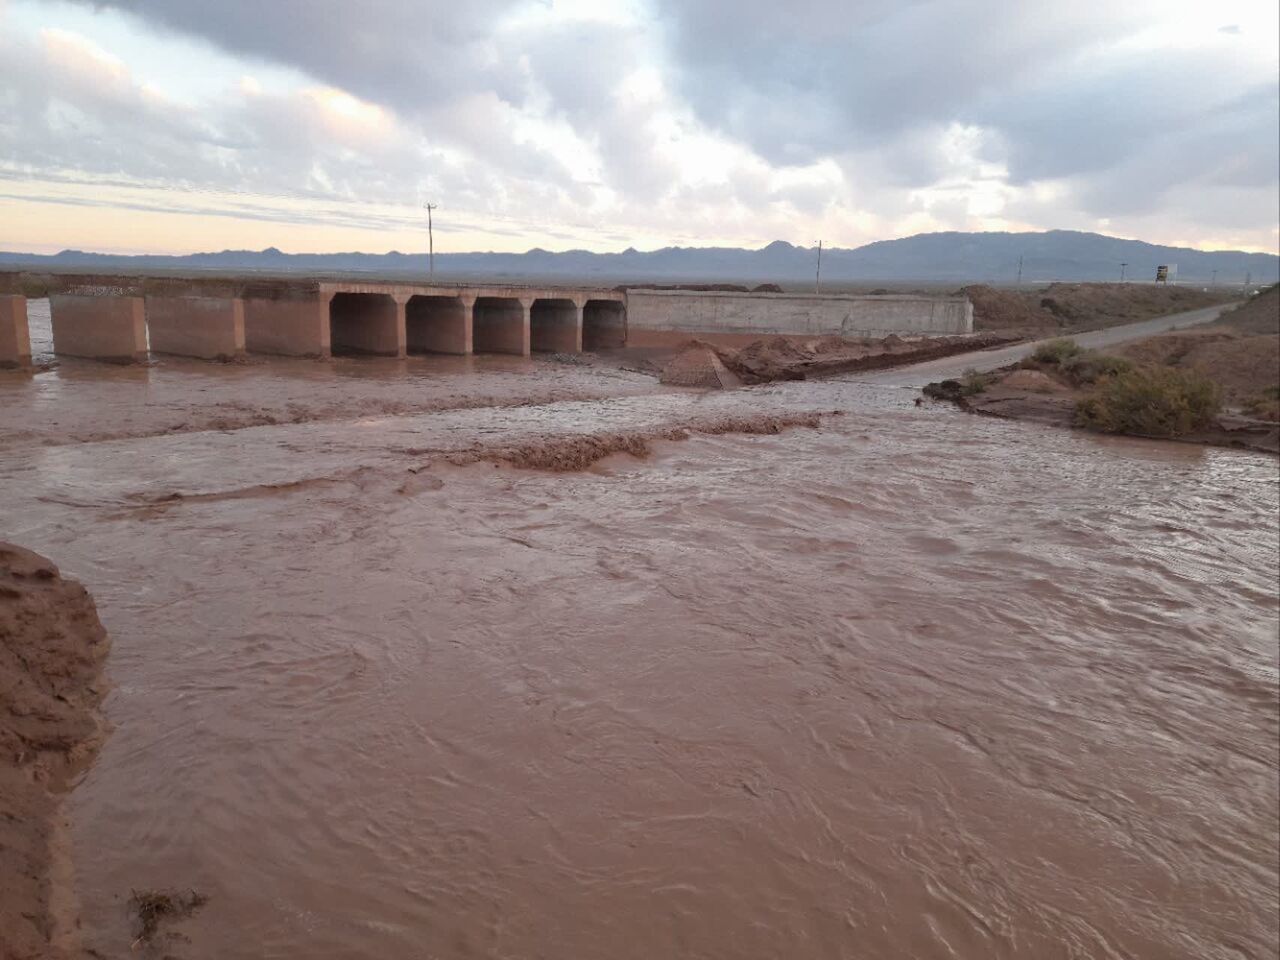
<point>919,374</point>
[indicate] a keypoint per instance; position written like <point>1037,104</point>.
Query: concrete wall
<point>297,328</point>
<point>716,312</point>
<point>555,326</point>
<point>100,327</point>
<point>211,328</point>
<point>15,336</point>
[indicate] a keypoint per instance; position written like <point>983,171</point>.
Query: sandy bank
<point>52,648</point>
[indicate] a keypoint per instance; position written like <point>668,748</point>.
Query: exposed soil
<point>1082,306</point>
<point>773,358</point>
<point>698,365</point>
<point>52,647</point>
<point>1258,315</point>
<point>572,453</point>
<point>1007,310</point>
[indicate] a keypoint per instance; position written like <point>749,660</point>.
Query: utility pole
<point>817,277</point>
<point>1214,281</point>
<point>431,241</point>
<point>1019,269</point>
<point>1122,266</point>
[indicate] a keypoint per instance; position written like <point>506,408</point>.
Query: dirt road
<point>919,374</point>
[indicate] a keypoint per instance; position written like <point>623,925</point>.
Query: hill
<point>936,258</point>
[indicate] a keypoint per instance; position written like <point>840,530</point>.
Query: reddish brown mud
<point>904,683</point>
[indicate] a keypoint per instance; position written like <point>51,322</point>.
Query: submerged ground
<point>910,683</point>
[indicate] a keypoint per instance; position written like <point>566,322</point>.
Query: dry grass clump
<point>1265,406</point>
<point>151,908</point>
<point>1150,402</point>
<point>1090,366</point>
<point>1055,352</point>
<point>973,383</point>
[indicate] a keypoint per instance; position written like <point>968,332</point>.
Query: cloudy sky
<point>184,125</point>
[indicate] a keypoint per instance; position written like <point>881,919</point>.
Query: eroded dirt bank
<point>52,648</point>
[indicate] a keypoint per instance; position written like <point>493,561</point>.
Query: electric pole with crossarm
<point>431,241</point>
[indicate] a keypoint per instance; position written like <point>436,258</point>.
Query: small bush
<point>1265,406</point>
<point>1150,402</point>
<point>1055,351</point>
<point>973,383</point>
<point>1089,366</point>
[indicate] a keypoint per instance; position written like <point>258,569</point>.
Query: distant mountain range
<point>925,258</point>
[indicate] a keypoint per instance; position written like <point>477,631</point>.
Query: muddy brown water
<point>913,684</point>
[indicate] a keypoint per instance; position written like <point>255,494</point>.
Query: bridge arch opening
<point>499,325</point>
<point>436,324</point>
<point>364,323</point>
<point>604,325</point>
<point>554,326</point>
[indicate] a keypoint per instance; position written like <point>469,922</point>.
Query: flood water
<point>912,684</point>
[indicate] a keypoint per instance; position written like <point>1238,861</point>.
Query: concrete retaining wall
<point>100,327</point>
<point>717,312</point>
<point>208,327</point>
<point>15,336</point>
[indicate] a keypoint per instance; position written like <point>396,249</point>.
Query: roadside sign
<point>1162,274</point>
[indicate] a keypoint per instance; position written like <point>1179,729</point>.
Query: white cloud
<point>646,122</point>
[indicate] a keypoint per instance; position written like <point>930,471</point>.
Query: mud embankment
<point>52,648</point>
<point>770,359</point>
<point>1037,396</point>
<point>566,454</point>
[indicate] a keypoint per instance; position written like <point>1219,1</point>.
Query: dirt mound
<point>52,647</point>
<point>1260,315</point>
<point>800,358</point>
<point>1003,310</point>
<point>698,365</point>
<point>1033,381</point>
<point>566,454</point>
<point>1079,305</point>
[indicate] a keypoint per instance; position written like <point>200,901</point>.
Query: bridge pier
<point>367,323</point>
<point>555,325</point>
<point>287,327</point>
<point>15,336</point>
<point>211,328</point>
<point>439,324</point>
<point>501,325</point>
<point>100,328</point>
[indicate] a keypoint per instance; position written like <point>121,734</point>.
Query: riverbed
<point>910,684</point>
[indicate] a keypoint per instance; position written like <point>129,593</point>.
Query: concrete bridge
<point>123,319</point>
<point>214,319</point>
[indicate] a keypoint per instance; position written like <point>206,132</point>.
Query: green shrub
<point>1089,366</point>
<point>1055,351</point>
<point>1150,402</point>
